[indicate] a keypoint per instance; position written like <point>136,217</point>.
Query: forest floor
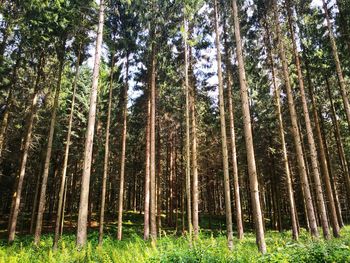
<point>171,247</point>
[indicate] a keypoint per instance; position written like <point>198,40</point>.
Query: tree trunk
<point>42,199</point>
<point>147,173</point>
<point>89,137</point>
<point>27,141</point>
<point>342,84</point>
<point>106,156</point>
<point>339,143</point>
<point>237,197</point>
<point>310,138</point>
<point>289,183</point>
<point>323,159</point>
<point>254,186</point>
<point>295,130</point>
<point>153,205</point>
<point>188,150</point>
<point>122,165</point>
<point>60,206</point>
<point>195,192</point>
<point>223,133</point>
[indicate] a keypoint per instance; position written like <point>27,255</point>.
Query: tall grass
<point>171,248</point>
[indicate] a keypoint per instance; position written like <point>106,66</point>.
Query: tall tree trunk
<point>253,179</point>
<point>42,199</point>
<point>188,150</point>
<point>239,217</point>
<point>153,205</point>
<point>195,192</point>
<point>122,165</point>
<point>310,138</point>
<point>106,156</point>
<point>89,137</point>
<point>295,130</point>
<point>60,206</point>
<point>342,84</point>
<point>323,158</point>
<point>289,183</point>
<point>24,157</point>
<point>6,114</point>
<point>223,133</point>
<point>147,173</point>
<point>339,142</point>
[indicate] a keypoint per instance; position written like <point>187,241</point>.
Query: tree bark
<point>289,183</point>
<point>24,157</point>
<point>188,150</point>
<point>223,133</point>
<point>342,84</point>
<point>147,173</point>
<point>310,137</point>
<point>42,198</point>
<point>153,203</point>
<point>89,137</point>
<point>253,179</point>
<point>60,206</point>
<point>122,165</point>
<point>106,156</point>
<point>239,216</point>
<point>295,130</point>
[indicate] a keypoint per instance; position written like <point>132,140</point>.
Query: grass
<point>211,247</point>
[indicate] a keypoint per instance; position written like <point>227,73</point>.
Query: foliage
<point>170,248</point>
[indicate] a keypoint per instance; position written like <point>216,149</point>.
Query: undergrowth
<point>171,248</point>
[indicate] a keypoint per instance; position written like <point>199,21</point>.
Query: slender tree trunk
<point>223,134</point>
<point>122,165</point>
<point>289,183</point>
<point>253,179</point>
<point>237,197</point>
<point>188,151</point>
<point>147,173</point>
<point>195,192</point>
<point>339,143</point>
<point>153,205</point>
<point>106,156</point>
<point>6,114</point>
<point>295,130</point>
<point>342,84</point>
<point>60,206</point>
<point>89,137</point>
<point>323,159</point>
<point>331,174</point>
<point>27,141</point>
<point>42,199</point>
<point>310,138</point>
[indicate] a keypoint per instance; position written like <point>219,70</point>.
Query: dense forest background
<point>230,115</point>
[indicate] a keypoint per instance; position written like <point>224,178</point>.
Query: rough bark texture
<point>253,179</point>
<point>295,130</point>
<point>24,157</point>
<point>60,206</point>
<point>342,83</point>
<point>323,159</point>
<point>237,198</point>
<point>188,151</point>
<point>122,165</point>
<point>147,173</point>
<point>42,198</point>
<point>223,134</point>
<point>89,137</point>
<point>289,183</point>
<point>153,205</point>
<point>310,136</point>
<point>106,156</point>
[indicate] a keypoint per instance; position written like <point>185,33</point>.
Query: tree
<point>254,187</point>
<point>84,194</point>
